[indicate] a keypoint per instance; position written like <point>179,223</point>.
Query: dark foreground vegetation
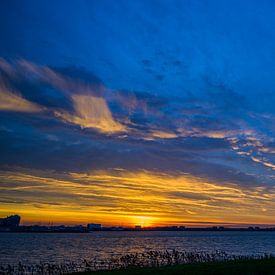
<point>155,262</point>
<point>246,267</point>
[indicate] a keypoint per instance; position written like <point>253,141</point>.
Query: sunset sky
<point>138,112</point>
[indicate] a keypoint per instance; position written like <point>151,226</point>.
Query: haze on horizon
<point>138,112</point>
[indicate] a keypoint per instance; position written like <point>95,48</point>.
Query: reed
<point>134,260</point>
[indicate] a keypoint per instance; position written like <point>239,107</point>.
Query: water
<point>31,248</point>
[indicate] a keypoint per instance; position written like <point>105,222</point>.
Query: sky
<point>138,112</point>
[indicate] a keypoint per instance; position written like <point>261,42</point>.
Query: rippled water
<point>61,247</point>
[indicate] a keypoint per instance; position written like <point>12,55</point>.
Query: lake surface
<point>30,248</point>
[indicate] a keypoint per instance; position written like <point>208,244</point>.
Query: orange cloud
<point>160,134</point>
<point>129,198</point>
<point>91,112</point>
<point>10,101</point>
<point>263,162</point>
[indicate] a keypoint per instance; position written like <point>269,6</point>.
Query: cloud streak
<point>180,159</point>
<point>10,101</point>
<point>110,195</point>
<point>90,109</point>
<point>91,112</point>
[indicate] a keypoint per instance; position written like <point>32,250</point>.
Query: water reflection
<point>59,247</point>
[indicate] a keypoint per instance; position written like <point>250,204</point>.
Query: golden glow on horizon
<point>119,197</point>
<point>144,221</point>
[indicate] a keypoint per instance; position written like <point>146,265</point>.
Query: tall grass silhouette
<point>134,260</point>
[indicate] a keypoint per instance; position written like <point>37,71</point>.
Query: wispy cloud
<point>91,112</point>
<point>124,127</point>
<point>263,162</point>
<point>109,195</point>
<point>160,134</point>
<point>11,101</point>
<point>90,109</point>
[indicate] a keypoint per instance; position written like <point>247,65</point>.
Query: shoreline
<point>144,230</point>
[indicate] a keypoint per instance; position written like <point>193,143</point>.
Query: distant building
<point>116,228</point>
<point>9,223</point>
<point>94,226</point>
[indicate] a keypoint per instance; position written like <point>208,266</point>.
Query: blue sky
<point>166,87</point>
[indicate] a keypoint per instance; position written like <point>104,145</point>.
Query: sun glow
<point>143,221</point>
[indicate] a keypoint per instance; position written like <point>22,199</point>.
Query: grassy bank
<point>251,267</point>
